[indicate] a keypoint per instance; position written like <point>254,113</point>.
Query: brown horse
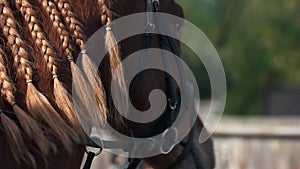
<point>39,42</point>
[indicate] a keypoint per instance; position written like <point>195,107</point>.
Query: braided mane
<point>39,42</point>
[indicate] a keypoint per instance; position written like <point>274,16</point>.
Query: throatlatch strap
<point>89,160</point>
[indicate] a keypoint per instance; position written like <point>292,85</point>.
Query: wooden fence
<point>258,143</point>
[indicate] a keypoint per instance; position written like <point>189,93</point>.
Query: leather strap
<point>89,160</point>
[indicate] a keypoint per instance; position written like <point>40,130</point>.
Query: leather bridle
<point>171,112</point>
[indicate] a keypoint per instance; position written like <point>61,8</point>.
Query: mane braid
<point>37,104</point>
<point>62,98</point>
<point>114,59</point>
<point>13,133</point>
<point>90,70</point>
<point>73,24</point>
<point>28,124</point>
<point>82,88</point>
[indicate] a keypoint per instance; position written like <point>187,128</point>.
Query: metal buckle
<point>91,149</point>
<point>173,103</point>
<point>174,141</point>
<point>83,51</point>
<point>150,27</point>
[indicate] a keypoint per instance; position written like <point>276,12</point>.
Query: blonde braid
<point>54,15</point>
<point>77,30</point>
<point>62,97</point>
<point>28,124</point>
<point>37,103</point>
<point>82,88</point>
<point>104,12</point>
<point>12,131</point>
<point>114,58</point>
<point>73,24</point>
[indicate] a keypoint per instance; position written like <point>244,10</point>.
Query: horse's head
<point>40,41</point>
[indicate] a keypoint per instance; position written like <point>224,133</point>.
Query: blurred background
<point>259,44</point>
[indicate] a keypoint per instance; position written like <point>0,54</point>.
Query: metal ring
<point>175,140</point>
<point>83,51</point>
<point>13,104</point>
<point>71,59</point>
<point>96,153</point>
<point>108,28</point>
<point>54,77</point>
<point>173,106</point>
<point>96,139</point>
<point>29,81</point>
<point>150,26</point>
<point>100,147</point>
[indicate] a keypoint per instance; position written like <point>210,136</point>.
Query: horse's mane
<point>39,42</point>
